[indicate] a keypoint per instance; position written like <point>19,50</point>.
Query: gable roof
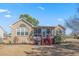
<point>61,26</point>
<point>27,22</point>
<point>24,21</point>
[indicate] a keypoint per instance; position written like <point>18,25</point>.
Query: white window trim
<point>21,31</point>
<point>24,31</point>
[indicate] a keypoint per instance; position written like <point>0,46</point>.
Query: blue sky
<point>47,14</point>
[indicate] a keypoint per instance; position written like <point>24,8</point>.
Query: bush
<point>10,42</point>
<point>57,39</point>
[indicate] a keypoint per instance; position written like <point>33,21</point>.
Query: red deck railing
<point>47,41</point>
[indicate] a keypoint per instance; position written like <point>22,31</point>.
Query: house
<point>2,35</point>
<point>23,31</point>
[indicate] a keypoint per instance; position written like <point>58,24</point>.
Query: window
<point>22,25</point>
<point>21,31</point>
<point>37,32</point>
<point>26,33</point>
<point>53,32</point>
<point>48,31</point>
<point>44,32</point>
<point>58,32</point>
<point>18,31</point>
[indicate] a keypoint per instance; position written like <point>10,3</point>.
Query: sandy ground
<point>68,48</point>
<point>14,50</point>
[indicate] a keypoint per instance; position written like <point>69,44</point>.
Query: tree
<point>73,23</point>
<point>30,19</point>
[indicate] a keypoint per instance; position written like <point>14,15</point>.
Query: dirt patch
<point>68,48</point>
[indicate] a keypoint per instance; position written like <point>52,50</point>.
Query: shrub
<point>10,42</point>
<point>57,39</point>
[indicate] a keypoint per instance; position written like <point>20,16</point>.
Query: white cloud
<point>8,16</point>
<point>48,25</point>
<point>60,19</point>
<point>4,11</point>
<point>41,8</point>
<point>68,31</point>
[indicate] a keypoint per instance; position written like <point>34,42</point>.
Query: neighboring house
<point>22,30</point>
<point>2,34</point>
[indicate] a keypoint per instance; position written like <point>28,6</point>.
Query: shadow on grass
<point>64,49</point>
